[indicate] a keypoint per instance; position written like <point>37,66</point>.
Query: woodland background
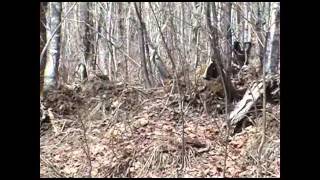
<point>160,89</point>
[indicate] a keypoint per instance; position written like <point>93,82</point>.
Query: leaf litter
<point>127,136</point>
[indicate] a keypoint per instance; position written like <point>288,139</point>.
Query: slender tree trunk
<point>273,46</point>
<point>120,35</point>
<point>96,36</point>
<point>227,29</point>
<point>43,40</point>
<point>275,56</point>
<point>84,29</point>
<point>146,46</point>
<point>142,46</point>
<point>216,53</point>
<point>164,41</point>
<point>53,52</point>
<point>110,34</point>
<point>103,45</point>
<point>128,41</point>
<point>239,23</point>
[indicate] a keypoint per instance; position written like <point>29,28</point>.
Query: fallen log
<point>250,97</point>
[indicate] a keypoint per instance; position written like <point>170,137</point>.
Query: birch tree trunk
<point>271,35</point>
<point>275,54</point>
<point>53,52</point>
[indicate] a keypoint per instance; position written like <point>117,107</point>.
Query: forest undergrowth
<point>104,129</point>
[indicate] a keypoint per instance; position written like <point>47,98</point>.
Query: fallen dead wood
<point>250,97</point>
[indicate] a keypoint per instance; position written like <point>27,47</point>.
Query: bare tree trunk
<point>43,39</point>
<point>226,24</point>
<point>84,29</point>
<point>110,34</point>
<point>273,39</point>
<point>196,38</point>
<point>102,42</point>
<point>142,46</point>
<point>256,53</point>
<point>94,45</point>
<point>275,55</point>
<point>121,35</point>
<point>216,53</point>
<point>53,52</point>
<point>147,49</point>
<point>182,30</point>
<point>43,10</point>
<point>185,62</point>
<point>239,24</point>
<point>164,41</point>
<point>128,41</point>
<point>243,24</point>
<point>261,35</point>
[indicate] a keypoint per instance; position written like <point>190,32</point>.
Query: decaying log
<point>250,97</point>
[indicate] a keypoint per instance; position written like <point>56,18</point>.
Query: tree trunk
<point>84,29</point>
<point>147,49</point>
<point>120,38</point>
<point>239,24</point>
<point>164,41</point>
<point>94,36</point>
<point>275,55</point>
<point>216,58</point>
<point>226,24</point>
<point>43,39</point>
<point>128,41</point>
<point>142,46</point>
<point>53,52</point>
<point>110,48</point>
<point>103,45</point>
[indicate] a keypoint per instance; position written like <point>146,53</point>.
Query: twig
<point>182,117</point>
<point>226,151</point>
<point>264,107</point>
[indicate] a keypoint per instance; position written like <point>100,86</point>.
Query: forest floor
<point>126,131</point>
